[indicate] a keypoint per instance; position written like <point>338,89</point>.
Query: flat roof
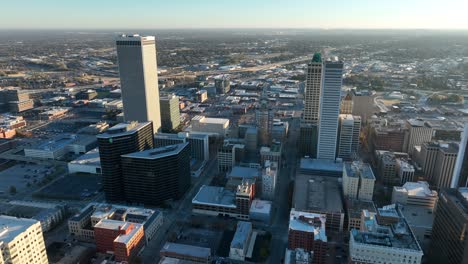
<point>125,238</point>
<point>89,158</point>
<point>123,129</point>
<point>419,189</point>
<point>186,250</point>
<point>418,216</point>
<point>11,227</point>
<point>158,153</point>
<point>355,207</point>
<point>112,224</point>
<point>243,172</point>
<point>260,206</point>
<point>308,222</point>
<point>214,195</point>
<point>359,169</point>
<point>321,165</point>
<point>212,120</point>
<point>243,231</point>
<point>317,193</point>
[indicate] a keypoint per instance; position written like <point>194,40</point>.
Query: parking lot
<point>20,175</point>
<point>71,187</point>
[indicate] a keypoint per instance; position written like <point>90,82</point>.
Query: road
<point>279,228</point>
<point>182,212</point>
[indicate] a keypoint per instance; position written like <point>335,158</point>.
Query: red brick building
<point>307,231</point>
<point>123,239</point>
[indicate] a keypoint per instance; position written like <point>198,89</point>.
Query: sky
<point>175,14</point>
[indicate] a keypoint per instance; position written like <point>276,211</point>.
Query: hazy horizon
<point>241,14</point>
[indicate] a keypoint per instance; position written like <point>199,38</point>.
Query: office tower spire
<point>139,79</point>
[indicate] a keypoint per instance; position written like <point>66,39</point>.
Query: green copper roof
<point>317,57</point>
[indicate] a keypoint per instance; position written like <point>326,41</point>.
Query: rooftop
<point>359,169</point>
<point>308,164</point>
<point>260,206</point>
<point>123,129</point>
<point>355,207</point>
<point>158,153</point>
<point>11,227</point>
<point>420,189</point>
<point>187,250</point>
<point>317,193</point>
<point>203,119</point>
<point>112,224</point>
<point>243,172</point>
<point>243,231</point>
<point>125,238</point>
<point>308,222</point>
<point>213,195</point>
<point>89,158</point>
<point>418,216</point>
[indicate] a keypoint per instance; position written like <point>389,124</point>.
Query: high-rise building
<point>418,132</point>
<point>445,165</point>
<point>329,109</point>
<point>156,175</point>
<point>363,104</point>
<point>346,107</point>
<point>170,115</point>
<point>405,171</point>
<point>415,194</point>
<point>449,232</point>
<point>264,118</point>
<point>198,143</point>
<point>311,113</point>
<point>21,241</point>
<point>139,79</point>
<point>358,181</point>
<point>269,178</point>
<point>460,173</point>
<point>349,131</point>
<point>223,85</point>
<point>118,140</point>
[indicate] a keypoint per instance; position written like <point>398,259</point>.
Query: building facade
<point>170,115</point>
<point>138,72</point>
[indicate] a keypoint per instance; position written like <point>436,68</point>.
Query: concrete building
<point>298,256</point>
<point>138,72</point>
<point>218,201</point>
<point>363,104</point>
<point>420,220</point>
<point>415,194</point>
<point>170,115</point>
<point>449,241</point>
<point>86,95</point>
<point>405,171</point>
<point>81,225</point>
<point>21,241</point>
<point>264,119</point>
<point>385,237</point>
<point>269,178</point>
<point>202,96</point>
<point>186,252</point>
<point>272,153</point>
<point>355,209</point>
<point>346,107</point>
<point>279,130</point>
<point>123,239</point>
<point>307,231</point>
<point>308,138</point>
<point>61,145</point>
<point>320,195</point>
<point>358,181</point>
<point>418,133</point>
<point>16,99</point>
<point>391,138</point>
<point>349,132</point>
<point>86,163</point>
<point>222,85</point>
<point>445,165</point>
<point>154,176</point>
<point>260,210</point>
<point>217,126</point>
<point>241,241</point>
<point>229,154</point>
<point>386,166</point>
<point>329,109</point>
<point>323,168</point>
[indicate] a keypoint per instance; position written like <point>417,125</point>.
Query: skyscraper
<point>118,140</point>
<point>153,176</point>
<point>347,104</point>
<point>264,118</point>
<point>349,130</point>
<point>170,115</point>
<point>329,109</point>
<point>139,79</point>
<point>310,116</point>
<point>449,241</point>
<point>460,173</point>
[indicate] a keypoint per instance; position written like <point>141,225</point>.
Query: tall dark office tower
<point>449,241</point>
<point>170,115</point>
<point>118,140</point>
<point>153,176</point>
<point>460,174</point>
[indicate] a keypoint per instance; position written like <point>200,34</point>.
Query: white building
<point>241,241</point>
<point>89,162</point>
<point>349,131</point>
<point>358,181</point>
<point>415,194</point>
<point>61,145</point>
<point>269,178</point>
<point>405,171</point>
<point>329,109</point>
<point>217,126</point>
<point>389,240</point>
<point>139,79</point>
<point>21,241</point>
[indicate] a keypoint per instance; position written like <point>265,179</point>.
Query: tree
<point>12,190</point>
